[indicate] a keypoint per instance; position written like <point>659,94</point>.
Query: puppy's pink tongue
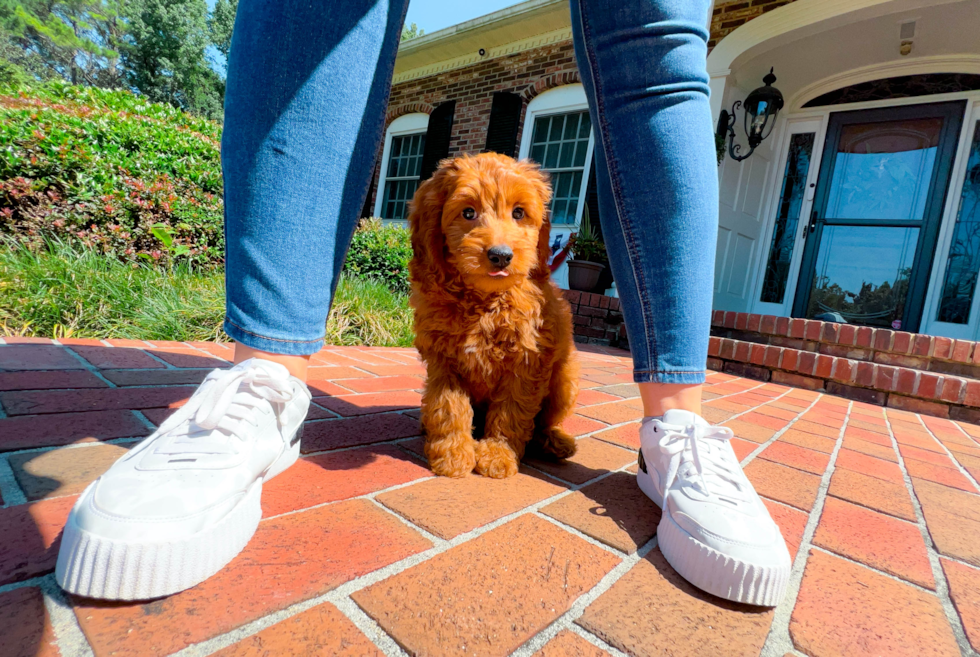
<point>499,273</point>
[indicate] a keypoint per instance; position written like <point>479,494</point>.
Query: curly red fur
<point>498,349</point>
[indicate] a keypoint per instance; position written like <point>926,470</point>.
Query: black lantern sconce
<point>761,108</point>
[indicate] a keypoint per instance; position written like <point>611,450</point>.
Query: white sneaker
<point>182,503</point>
<point>715,531</point>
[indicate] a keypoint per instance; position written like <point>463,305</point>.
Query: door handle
<point>812,226</point>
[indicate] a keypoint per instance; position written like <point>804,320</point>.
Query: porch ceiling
<point>945,41</point>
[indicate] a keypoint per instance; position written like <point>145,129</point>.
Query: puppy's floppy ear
<point>540,182</point>
<point>428,265</point>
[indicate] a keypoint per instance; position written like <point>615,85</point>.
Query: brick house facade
<point>508,82</point>
<point>527,73</point>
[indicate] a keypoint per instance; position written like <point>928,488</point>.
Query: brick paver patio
<point>361,551</point>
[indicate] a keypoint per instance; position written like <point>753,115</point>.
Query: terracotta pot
<point>583,275</point>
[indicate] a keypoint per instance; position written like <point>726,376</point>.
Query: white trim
<point>930,307</point>
<point>791,22</point>
<point>472,58</point>
<point>790,126</point>
<point>409,124</point>
<point>928,325</point>
<point>923,65</point>
<point>560,100</point>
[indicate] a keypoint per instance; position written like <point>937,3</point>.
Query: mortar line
<point>779,434</point>
<point>778,641</point>
<point>340,596</point>
<point>166,365</point>
<point>582,535</point>
<point>963,431</point>
<point>68,633</point>
<point>10,490</point>
<point>88,366</point>
<point>932,553</point>
<point>578,607</point>
<point>949,454</point>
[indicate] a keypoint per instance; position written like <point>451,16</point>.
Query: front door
<point>879,200</point>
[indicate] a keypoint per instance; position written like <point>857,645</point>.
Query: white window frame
<point>560,100</point>
<point>566,99</point>
<point>409,124</point>
<point>930,309</point>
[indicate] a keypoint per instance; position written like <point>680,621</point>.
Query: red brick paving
<point>25,625</point>
<point>321,630</point>
<point>847,609</point>
<point>489,595</point>
<point>652,611</point>
<point>867,584</point>
<point>291,558</point>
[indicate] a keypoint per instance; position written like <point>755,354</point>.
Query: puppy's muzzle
<point>500,256</point>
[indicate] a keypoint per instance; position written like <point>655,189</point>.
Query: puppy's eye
<point>469,213</point>
<point>518,213</point>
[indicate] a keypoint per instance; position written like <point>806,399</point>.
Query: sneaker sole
<point>710,570</point>
<point>96,567</point>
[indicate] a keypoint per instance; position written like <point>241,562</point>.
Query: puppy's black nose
<point>500,255</point>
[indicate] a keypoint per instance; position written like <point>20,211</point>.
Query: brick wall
<point>597,319</point>
<point>727,16</point>
<point>527,73</point>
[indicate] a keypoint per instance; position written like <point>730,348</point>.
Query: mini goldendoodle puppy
<point>494,331</point>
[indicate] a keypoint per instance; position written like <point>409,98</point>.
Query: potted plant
<point>588,256</point>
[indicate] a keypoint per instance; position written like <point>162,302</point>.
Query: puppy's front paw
<point>496,459</point>
<point>558,443</point>
<point>449,457</point>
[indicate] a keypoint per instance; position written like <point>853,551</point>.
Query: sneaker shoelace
<point>698,454</point>
<point>215,416</point>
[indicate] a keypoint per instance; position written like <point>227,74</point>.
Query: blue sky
<point>434,15</point>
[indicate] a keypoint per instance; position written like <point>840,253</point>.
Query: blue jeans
<point>304,111</point>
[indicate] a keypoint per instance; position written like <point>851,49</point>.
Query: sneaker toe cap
<point>117,509</point>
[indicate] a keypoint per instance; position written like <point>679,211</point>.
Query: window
<point>402,177</point>
<point>787,217</point>
<point>560,143</point>
<point>960,281</point>
<point>558,136</point>
<point>401,162</point>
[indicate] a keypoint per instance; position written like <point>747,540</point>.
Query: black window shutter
<point>505,122</point>
<point>437,138</point>
<point>368,209</point>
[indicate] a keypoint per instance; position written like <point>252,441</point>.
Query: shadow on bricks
<point>52,398</point>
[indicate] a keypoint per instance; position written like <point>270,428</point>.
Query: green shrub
<point>109,172</point>
<point>101,168</point>
<point>380,252</point>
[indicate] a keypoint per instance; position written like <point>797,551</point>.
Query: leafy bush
<point>102,168</point>
<point>380,252</point>
<point>62,291</point>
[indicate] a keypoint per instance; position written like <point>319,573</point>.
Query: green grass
<point>66,291</point>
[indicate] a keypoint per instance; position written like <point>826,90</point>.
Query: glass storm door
<point>872,234</point>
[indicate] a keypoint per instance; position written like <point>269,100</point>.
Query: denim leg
<point>307,89</point>
<point>643,67</point>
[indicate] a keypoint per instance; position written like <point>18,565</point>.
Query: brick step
<point>931,393</point>
<point>916,351</point>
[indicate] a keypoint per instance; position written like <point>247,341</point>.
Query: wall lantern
<point>761,108</point>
